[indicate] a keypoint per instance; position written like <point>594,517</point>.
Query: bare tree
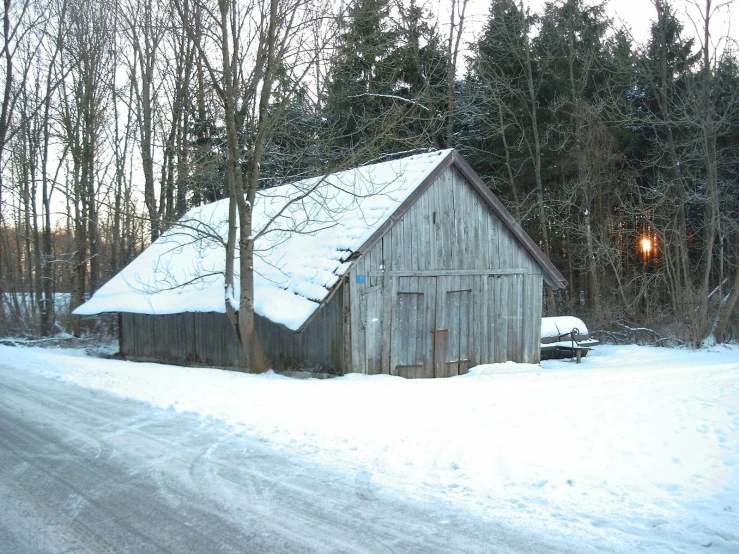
<point>262,44</point>
<point>32,45</point>
<point>18,21</point>
<point>83,104</point>
<point>145,24</point>
<point>710,124</point>
<point>456,29</point>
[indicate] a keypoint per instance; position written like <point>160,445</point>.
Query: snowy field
<point>634,450</point>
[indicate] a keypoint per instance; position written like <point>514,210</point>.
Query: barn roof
<point>305,235</point>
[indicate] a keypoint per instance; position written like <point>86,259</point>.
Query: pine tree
<point>495,102</point>
<point>355,103</point>
<point>417,69</point>
<point>387,91</point>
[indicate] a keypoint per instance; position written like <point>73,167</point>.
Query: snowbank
<point>636,449</point>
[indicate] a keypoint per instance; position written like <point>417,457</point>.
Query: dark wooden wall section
<point>318,348</point>
<point>188,338</point>
<point>207,338</point>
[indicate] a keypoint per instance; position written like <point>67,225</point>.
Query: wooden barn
<point>410,267</point>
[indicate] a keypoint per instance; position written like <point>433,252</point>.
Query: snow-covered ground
<point>636,449</point>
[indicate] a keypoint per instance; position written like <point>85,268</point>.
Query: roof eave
<point>332,292</point>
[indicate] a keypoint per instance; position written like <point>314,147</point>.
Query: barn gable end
<point>454,283</point>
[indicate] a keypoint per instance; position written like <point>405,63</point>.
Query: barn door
<point>505,314</point>
<point>453,317</point>
<point>431,327</point>
<point>413,322</point>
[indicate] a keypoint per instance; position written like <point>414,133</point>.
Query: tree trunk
<point>80,253</point>
<point>256,361</point>
<point>727,311</point>
<point>551,305</point>
<point>452,54</point>
<point>711,216</point>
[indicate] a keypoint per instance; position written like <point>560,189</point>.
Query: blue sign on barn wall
<point>361,279</point>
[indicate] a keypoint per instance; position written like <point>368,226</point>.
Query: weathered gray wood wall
<point>446,288</point>
<point>209,339</point>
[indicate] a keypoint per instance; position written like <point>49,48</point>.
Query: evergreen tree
<point>493,128</point>
<point>581,162</point>
<point>294,149</point>
<point>355,101</point>
<point>386,93</point>
<point>509,80</point>
<point>664,73</point>
<point>417,69</point>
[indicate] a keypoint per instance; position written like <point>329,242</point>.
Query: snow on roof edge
<point>288,297</point>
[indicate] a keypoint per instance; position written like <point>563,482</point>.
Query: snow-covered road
<point>634,450</point>
<point>86,471</point>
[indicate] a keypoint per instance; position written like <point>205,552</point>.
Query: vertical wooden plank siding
<point>449,228</point>
<point>209,339</point>
<point>347,360</point>
<point>387,296</point>
<point>357,333</point>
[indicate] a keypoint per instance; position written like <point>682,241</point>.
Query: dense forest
<point>619,158</point>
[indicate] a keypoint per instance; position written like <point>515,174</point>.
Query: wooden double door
<point>431,332</point>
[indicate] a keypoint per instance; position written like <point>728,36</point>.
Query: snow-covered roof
<point>305,233</point>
